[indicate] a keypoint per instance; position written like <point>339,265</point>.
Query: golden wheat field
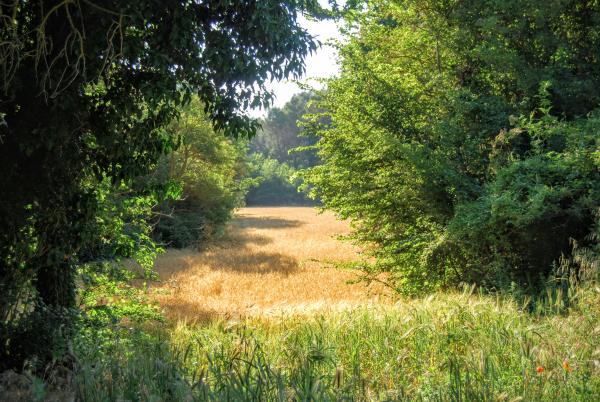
<point>271,261</point>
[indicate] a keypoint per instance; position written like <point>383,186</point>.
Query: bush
<point>210,169</point>
<point>528,215</point>
<point>463,139</point>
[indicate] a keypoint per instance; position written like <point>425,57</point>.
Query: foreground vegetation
<point>446,347</point>
<point>244,320</point>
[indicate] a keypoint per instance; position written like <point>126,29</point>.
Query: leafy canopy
<point>464,136</point>
<point>86,91</point>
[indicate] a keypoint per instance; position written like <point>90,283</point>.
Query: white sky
<point>320,64</point>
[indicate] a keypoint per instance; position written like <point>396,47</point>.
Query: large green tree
<point>464,137</point>
<point>211,170</point>
<point>86,89</point>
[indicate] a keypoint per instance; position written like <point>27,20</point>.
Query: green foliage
<point>462,139</point>
<point>86,93</point>
<point>210,169</point>
<point>277,151</point>
<point>274,183</point>
<point>39,333</point>
<point>282,133</point>
<point>537,203</point>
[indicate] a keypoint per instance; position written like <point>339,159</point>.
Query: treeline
<point>211,174</point>
<point>463,141</point>
<point>279,151</point>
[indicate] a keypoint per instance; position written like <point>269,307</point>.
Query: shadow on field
<point>242,237</point>
<point>240,251</point>
<point>238,260</point>
<point>257,262</point>
<point>202,285</point>
<point>265,222</point>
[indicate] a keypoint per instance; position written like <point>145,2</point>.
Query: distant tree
<point>273,183</point>
<point>282,132</point>
<point>87,89</point>
<point>280,149</point>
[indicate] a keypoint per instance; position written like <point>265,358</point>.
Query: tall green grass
<point>446,347</point>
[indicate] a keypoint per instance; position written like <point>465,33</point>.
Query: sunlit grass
<point>447,347</point>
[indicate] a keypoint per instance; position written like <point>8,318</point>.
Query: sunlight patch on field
<point>272,261</point>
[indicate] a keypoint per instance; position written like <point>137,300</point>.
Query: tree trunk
<point>56,285</point>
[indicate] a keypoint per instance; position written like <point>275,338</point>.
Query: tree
<point>462,138</point>
<point>278,150</point>
<point>211,170</point>
<point>87,89</point>
<point>273,183</point>
<point>282,132</point>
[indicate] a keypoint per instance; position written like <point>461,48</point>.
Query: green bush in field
<point>463,139</point>
<point>210,169</point>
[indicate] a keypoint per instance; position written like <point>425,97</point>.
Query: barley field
<point>271,261</point>
<point>270,312</point>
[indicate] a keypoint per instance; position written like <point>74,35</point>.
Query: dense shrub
<point>210,169</point>
<point>34,333</point>
<point>464,138</point>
